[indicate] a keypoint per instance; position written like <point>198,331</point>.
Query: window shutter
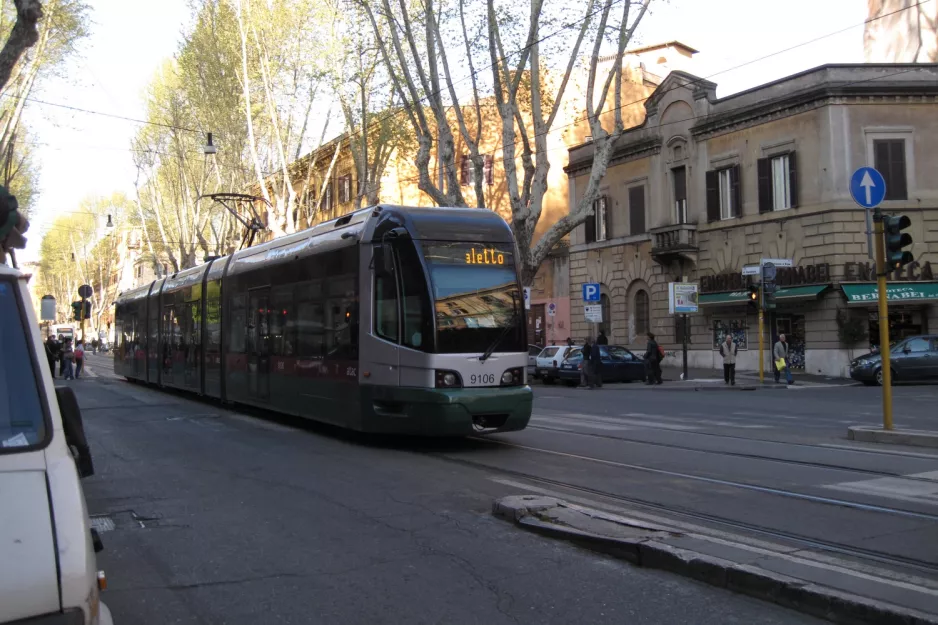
<point>464,170</point>
<point>489,178</point>
<point>764,169</point>
<point>737,209</point>
<point>897,160</point>
<point>713,196</point>
<point>607,216</point>
<point>590,229</point>
<point>637,210</point>
<point>792,179</point>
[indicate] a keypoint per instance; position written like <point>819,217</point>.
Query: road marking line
<point>923,490</point>
<point>882,452</point>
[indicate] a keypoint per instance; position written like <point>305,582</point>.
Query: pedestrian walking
<point>61,355</point>
<point>94,346</point>
<point>601,339</point>
<point>79,358</point>
<point>653,357</point>
<point>729,349</point>
<point>52,353</point>
<point>585,367</point>
<point>569,342</point>
<point>68,357</point>
<point>780,354</point>
<point>596,365</point>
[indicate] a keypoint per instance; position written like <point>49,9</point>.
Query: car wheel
<point>879,376</point>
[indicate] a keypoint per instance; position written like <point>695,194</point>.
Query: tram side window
<point>282,324</point>
<point>418,324</point>
<point>386,313</point>
<point>309,341</point>
<point>237,325</point>
<point>342,317</point>
<point>212,318</point>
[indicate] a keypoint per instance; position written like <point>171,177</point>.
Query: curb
<point>917,438</point>
<point>649,552</point>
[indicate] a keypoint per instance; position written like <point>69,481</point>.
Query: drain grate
<point>102,523</point>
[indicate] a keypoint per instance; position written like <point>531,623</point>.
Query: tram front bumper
<point>446,412</point>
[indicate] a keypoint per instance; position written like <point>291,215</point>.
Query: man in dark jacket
<point>52,353</point>
<point>585,367</point>
<point>601,339</point>
<point>652,361</point>
<point>596,366</point>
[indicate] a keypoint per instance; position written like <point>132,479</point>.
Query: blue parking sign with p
<point>591,292</point>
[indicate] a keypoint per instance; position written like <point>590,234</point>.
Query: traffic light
<point>76,309</point>
<point>87,309</point>
<point>768,298</point>
<point>896,258</point>
<point>753,300</point>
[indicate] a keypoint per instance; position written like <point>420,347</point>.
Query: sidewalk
<point>711,376</point>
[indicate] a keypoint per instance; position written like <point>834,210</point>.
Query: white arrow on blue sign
<point>868,187</point>
<point>591,292</point>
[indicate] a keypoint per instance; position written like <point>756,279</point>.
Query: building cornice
<point>622,153</point>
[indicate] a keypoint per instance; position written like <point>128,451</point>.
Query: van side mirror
<point>74,430</point>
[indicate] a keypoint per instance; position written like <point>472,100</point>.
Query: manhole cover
<point>102,523</point>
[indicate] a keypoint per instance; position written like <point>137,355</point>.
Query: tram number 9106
<point>481,379</point>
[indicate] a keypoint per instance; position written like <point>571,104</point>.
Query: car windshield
<point>619,352</point>
<point>548,352</point>
<point>21,414</point>
<point>476,296</point>
<point>575,354</point>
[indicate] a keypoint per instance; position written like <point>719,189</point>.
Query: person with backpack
<point>729,349</point>
<point>653,357</point>
<point>596,366</point>
<point>79,358</point>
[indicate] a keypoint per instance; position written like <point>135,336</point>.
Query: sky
<point>83,154</point>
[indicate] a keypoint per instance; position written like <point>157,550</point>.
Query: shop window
<point>642,313</point>
<point>778,182</point>
<point>637,210</point>
<point>735,327</point>
<point>889,160</point>
<point>724,200</point>
<point>597,224</point>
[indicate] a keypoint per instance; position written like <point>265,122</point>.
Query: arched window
<point>641,313</point>
<point>606,325</point>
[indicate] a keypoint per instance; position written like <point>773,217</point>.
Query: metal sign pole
<point>684,333</point>
<point>761,339</point>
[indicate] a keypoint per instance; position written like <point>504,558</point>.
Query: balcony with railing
<point>674,242</point>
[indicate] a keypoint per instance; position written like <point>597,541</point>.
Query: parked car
<point>915,358</point>
<point>619,365</point>
<point>548,362</point>
<point>533,351</point>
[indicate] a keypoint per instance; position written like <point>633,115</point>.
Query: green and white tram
<point>388,319</point>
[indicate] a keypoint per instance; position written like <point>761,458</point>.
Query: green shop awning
<point>787,294</point>
<point>865,294</point>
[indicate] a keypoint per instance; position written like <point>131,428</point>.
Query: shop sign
<point>866,272</point>
<point>785,276</point>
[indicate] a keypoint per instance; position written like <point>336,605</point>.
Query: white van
<point>48,570</point>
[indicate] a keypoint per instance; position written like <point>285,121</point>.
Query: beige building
<point>706,186</point>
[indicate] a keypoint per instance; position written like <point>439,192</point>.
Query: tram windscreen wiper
<point>508,328</point>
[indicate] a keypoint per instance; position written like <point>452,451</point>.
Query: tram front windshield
<point>476,297</point>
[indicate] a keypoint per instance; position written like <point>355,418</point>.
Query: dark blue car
<point>619,365</point>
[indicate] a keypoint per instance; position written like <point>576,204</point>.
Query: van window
<point>21,416</point>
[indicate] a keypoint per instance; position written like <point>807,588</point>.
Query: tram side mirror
<point>384,260</point>
<point>74,430</point>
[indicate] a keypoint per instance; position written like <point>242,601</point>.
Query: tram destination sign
<point>468,254</point>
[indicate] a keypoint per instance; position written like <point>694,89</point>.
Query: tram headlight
<point>512,377</point>
<point>447,379</point>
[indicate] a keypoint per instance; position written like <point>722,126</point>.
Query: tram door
<point>258,344</point>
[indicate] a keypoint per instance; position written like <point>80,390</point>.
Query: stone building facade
<point>706,186</point>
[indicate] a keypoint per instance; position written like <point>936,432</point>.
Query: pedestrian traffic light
<point>753,300</point>
<point>896,258</point>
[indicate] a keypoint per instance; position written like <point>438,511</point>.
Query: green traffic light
<point>895,240</point>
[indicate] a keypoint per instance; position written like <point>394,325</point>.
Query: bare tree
<point>24,35</point>
<point>528,98</point>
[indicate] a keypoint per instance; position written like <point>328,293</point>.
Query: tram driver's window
<point>386,312</point>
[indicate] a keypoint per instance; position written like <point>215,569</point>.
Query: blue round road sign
<point>868,187</point>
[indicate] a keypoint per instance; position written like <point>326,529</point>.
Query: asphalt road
<point>221,517</point>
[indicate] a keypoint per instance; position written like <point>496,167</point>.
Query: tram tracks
<point>748,456</point>
<point>715,520</point>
